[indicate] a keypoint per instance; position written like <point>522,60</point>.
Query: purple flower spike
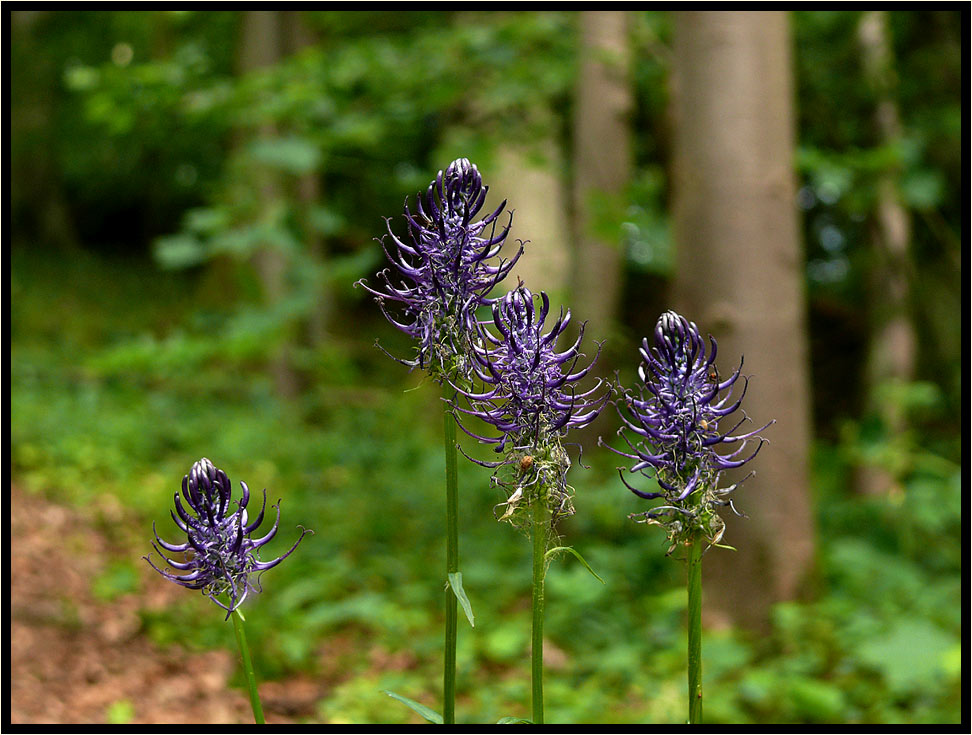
<point>529,394</point>
<point>529,386</point>
<point>675,423</point>
<point>222,554</point>
<point>445,268</point>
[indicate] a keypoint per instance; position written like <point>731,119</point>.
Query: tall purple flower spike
<point>529,395</point>
<point>223,556</point>
<point>529,389</point>
<point>444,270</point>
<point>672,428</point>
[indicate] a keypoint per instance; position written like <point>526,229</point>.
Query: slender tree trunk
<point>39,209</point>
<point>529,175</point>
<point>309,192</point>
<point>602,166</point>
<point>534,192</point>
<point>261,45</point>
<point>740,277</point>
<point>891,353</point>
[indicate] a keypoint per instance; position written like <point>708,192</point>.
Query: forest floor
<point>77,659</point>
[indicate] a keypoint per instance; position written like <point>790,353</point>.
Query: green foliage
<point>454,583</point>
<point>432,716</point>
<point>848,162</point>
<point>121,578</point>
<point>351,115</point>
<point>557,549</point>
<point>647,234</point>
<point>120,712</point>
<point>123,374</point>
<point>880,644</point>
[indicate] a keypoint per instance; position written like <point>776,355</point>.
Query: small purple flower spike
<point>529,394</point>
<point>445,269</point>
<point>223,555</point>
<point>673,430</point>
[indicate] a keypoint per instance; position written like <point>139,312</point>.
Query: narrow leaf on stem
<point>550,554</point>
<point>455,583</point>
<point>429,714</point>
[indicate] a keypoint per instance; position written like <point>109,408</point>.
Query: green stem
<point>452,566</point>
<point>695,632</point>
<point>248,668</point>
<point>541,522</point>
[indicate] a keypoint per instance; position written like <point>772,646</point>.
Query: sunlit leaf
<point>429,714</point>
<point>455,584</point>
<point>580,558</point>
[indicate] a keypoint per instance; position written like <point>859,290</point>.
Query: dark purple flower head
<point>529,389</point>
<point>222,554</point>
<point>676,422</point>
<point>445,268</point>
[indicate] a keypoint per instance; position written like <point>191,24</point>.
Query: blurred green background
<point>190,206</point>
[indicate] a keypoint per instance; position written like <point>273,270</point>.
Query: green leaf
<point>814,700</point>
<point>580,558</point>
<point>291,154</point>
<point>326,220</point>
<point>346,268</point>
<point>121,712</point>
<point>455,582</point>
<point>81,78</point>
<point>431,715</point>
<point>910,656</point>
<point>207,220</point>
<point>119,579</point>
<point>513,721</point>
<point>923,189</point>
<point>178,251</point>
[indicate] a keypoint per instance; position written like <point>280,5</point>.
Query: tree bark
<point>740,277</point>
<point>602,166</point>
<point>893,342</point>
<point>38,206</point>
<point>261,45</point>
<point>297,35</point>
<point>534,193</point>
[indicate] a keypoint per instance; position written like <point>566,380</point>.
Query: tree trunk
<point>39,209</point>
<point>534,192</point>
<point>309,192</point>
<point>891,352</point>
<point>740,277</point>
<point>602,167</point>
<point>261,45</point>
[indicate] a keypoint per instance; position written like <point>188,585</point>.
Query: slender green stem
<point>540,529</point>
<point>452,566</point>
<point>248,668</point>
<point>695,632</point>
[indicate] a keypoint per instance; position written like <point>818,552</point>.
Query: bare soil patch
<point>77,659</point>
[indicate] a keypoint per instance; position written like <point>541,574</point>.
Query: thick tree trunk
<point>261,44</point>
<point>893,343</point>
<point>740,277</point>
<point>602,166</point>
